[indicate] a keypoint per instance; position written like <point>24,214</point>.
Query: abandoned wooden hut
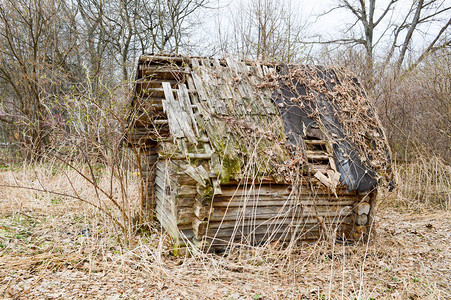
<point>244,152</point>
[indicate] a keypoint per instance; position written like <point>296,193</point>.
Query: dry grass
<point>59,247</point>
<point>423,184</point>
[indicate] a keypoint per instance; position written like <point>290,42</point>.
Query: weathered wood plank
<point>144,81</point>
<point>179,121</point>
<point>186,104</point>
<point>231,65</point>
<point>286,221</point>
<point>199,87</point>
<point>202,212</point>
<point>275,190</point>
<point>192,86</point>
<point>198,174</point>
<point>233,213</point>
<point>194,63</point>
<point>186,201</point>
<point>159,91</point>
<point>199,228</point>
<point>276,201</point>
<point>186,190</point>
<point>162,58</point>
<point>263,233</point>
<point>216,187</point>
<point>184,157</point>
<point>317,157</point>
<point>185,215</point>
<point>363,208</point>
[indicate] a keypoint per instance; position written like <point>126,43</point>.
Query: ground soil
<point>52,247</point>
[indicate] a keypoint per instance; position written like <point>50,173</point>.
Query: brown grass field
<point>56,247</point>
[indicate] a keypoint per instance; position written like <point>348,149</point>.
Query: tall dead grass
<point>38,247</point>
<point>114,200</point>
<point>423,184</point>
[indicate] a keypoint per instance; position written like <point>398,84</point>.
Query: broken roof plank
<point>199,174</point>
<point>186,104</point>
<point>199,86</point>
<point>231,65</point>
<point>213,94</point>
<point>177,117</point>
<point>194,63</point>
<point>235,93</point>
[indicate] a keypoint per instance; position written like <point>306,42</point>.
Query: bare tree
<point>47,47</point>
<point>176,20</point>
<point>423,12</point>
<point>377,25</point>
<point>401,53</point>
<point>93,33</point>
<point>123,29</point>
<point>36,42</point>
<point>267,29</point>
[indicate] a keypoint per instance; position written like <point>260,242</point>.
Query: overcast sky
<point>308,11</point>
<point>329,26</point>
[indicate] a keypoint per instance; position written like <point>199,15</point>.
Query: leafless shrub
<point>415,109</point>
<point>88,145</point>
<point>265,30</point>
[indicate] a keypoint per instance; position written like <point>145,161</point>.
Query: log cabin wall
<point>191,120</point>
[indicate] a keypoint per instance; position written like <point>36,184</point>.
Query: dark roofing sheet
<point>302,108</point>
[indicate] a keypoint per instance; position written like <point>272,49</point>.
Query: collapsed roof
<point>262,120</point>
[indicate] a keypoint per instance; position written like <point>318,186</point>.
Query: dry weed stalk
<point>423,184</point>
<point>380,269</point>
